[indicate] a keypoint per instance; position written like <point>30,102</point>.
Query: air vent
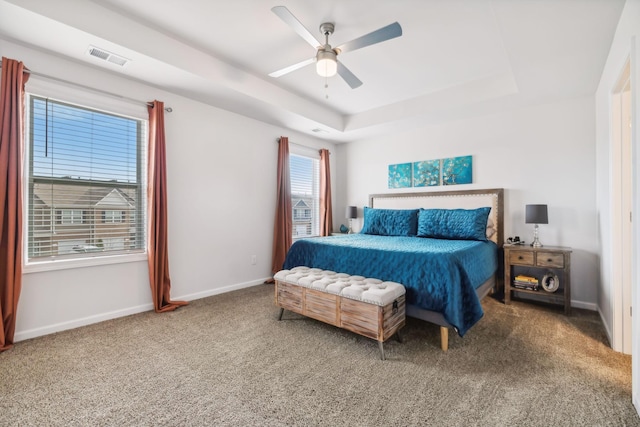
<point>98,53</point>
<point>107,56</point>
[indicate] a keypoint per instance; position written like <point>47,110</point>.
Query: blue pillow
<point>458,224</point>
<point>390,222</point>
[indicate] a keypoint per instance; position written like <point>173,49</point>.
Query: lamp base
<point>350,229</point>
<point>536,242</point>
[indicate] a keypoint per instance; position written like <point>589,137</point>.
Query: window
<point>67,216</point>
<point>87,168</point>
<point>302,214</point>
<point>305,193</point>
<point>112,216</point>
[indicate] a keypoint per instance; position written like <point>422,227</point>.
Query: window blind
<point>86,181</point>
<point>305,195</point>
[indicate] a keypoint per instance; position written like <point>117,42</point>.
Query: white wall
<point>543,154</point>
<point>625,45</point>
<point>221,171</point>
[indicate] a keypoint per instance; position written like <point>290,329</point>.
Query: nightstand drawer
<point>521,257</point>
<point>550,259</point>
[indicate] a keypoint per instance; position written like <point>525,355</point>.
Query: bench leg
<point>398,337</point>
<point>381,347</point>
<point>281,311</point>
<point>444,338</point>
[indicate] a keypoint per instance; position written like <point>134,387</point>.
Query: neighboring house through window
<point>305,183</point>
<point>87,169</point>
<point>301,210</point>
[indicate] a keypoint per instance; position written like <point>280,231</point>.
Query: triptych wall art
<point>427,173</point>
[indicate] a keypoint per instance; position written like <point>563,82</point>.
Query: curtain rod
<point>103,92</point>
<point>300,145</point>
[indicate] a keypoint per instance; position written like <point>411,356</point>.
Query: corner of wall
<point>607,328</point>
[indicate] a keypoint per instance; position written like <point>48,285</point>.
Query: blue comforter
<point>439,275</point>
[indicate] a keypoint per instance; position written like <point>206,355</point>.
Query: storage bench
<point>366,306</point>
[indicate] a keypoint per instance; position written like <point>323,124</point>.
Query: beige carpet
<point>226,360</point>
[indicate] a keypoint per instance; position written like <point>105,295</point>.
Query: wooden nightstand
<point>545,262</point>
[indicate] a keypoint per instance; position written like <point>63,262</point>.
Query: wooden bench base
<point>377,322</point>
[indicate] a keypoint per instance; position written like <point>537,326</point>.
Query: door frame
<point>622,202</point>
<point>635,293</point>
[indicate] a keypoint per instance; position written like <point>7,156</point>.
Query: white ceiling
<point>455,58</point>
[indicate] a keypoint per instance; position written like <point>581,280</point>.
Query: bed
<point>443,246</point>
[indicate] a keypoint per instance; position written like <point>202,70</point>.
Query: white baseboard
<point>218,291</point>
<point>540,297</point>
<point>76,323</point>
<point>584,305</point>
<point>607,329</point>
<point>84,321</point>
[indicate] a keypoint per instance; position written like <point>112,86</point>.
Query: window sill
<point>63,264</point>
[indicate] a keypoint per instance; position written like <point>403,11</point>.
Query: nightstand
<point>550,265</point>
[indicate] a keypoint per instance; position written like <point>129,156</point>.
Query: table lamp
<point>352,212</point>
<point>536,214</point>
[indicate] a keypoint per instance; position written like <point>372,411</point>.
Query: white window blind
<point>86,181</point>
<point>305,195</point>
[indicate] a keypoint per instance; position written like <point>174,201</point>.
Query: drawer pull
<point>549,260</point>
<point>520,257</point>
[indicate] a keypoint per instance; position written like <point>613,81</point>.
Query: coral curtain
<point>14,77</point>
<point>326,220</point>
<point>283,227</point>
<point>158,247</point>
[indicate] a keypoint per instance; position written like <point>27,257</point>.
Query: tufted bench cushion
<point>359,288</point>
<point>367,306</point>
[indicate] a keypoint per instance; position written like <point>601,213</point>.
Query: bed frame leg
<point>444,338</point>
<point>281,311</point>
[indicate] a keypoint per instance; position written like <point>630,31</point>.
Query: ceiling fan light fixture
<point>326,63</point>
<point>326,57</point>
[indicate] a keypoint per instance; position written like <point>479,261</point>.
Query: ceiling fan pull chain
<point>326,87</point>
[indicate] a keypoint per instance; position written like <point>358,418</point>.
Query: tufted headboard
<point>465,199</point>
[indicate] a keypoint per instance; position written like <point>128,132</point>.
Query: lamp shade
<point>536,214</point>
<point>352,212</point>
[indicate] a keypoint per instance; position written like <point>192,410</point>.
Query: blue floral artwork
<point>400,175</point>
<point>457,170</point>
<point>426,173</point>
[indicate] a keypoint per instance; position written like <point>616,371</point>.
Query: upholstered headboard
<point>465,199</point>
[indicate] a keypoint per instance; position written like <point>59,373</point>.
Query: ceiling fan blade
<point>348,76</point>
<point>293,22</point>
<point>293,67</point>
<point>391,31</point>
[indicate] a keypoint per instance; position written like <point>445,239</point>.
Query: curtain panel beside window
<point>283,227</point>
<point>14,77</point>
<point>326,220</point>
<point>158,246</point>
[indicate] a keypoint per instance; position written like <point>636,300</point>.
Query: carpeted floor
<point>226,360</point>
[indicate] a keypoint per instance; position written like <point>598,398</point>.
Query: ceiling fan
<point>326,58</point>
